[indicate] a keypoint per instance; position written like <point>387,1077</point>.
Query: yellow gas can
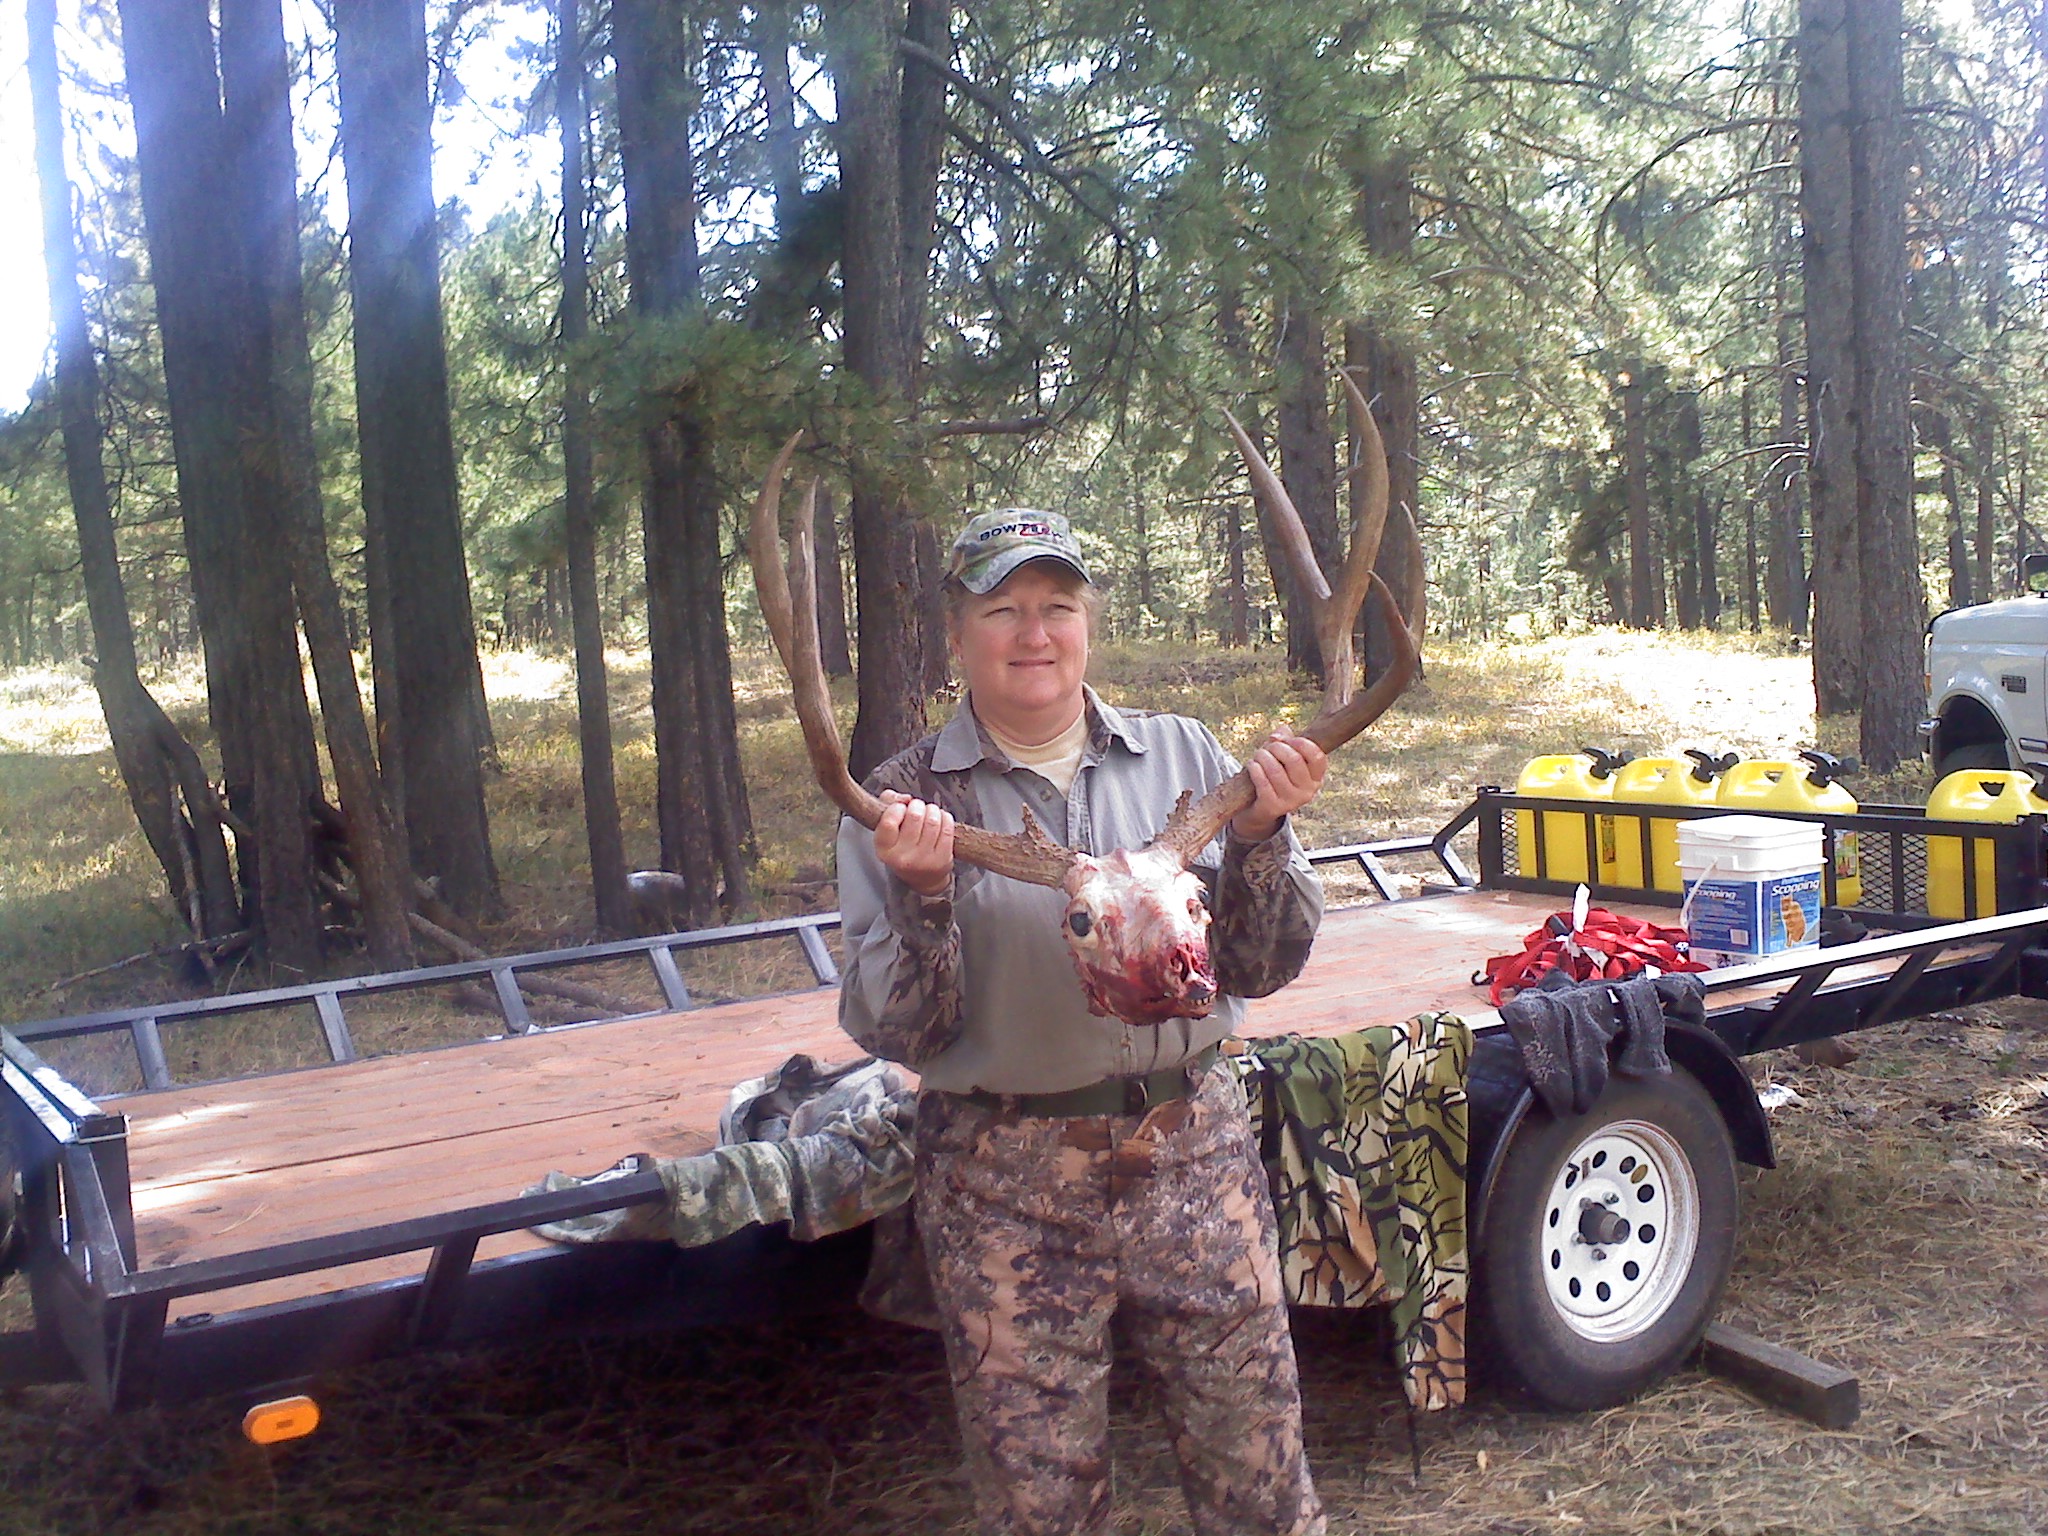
<point>1587,774</point>
<point>1689,780</point>
<point>1974,794</point>
<point>1805,787</point>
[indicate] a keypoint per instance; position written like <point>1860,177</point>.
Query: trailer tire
<point>1607,1239</point>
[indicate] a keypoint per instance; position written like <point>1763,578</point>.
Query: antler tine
<point>789,604</point>
<point>1369,525</point>
<point>1369,522</point>
<point>764,551</point>
<point>1286,520</point>
<point>1345,712</point>
<point>796,636</point>
<point>1334,612</point>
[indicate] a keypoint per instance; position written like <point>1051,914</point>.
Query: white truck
<point>1987,680</point>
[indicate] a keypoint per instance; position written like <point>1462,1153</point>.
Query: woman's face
<point>1023,650</point>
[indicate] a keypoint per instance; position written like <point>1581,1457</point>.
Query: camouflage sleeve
<point>899,991</point>
<point>1267,903</point>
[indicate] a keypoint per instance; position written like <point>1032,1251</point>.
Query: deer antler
<point>792,620</point>
<point>1344,713</point>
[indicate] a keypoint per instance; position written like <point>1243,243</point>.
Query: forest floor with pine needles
<point>1900,1237</point>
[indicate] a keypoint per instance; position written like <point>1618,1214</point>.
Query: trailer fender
<point>1699,1052</point>
<point>1702,1053</point>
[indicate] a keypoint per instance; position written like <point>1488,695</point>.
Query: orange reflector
<point>289,1418</point>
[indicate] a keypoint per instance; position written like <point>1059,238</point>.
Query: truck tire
<point>1975,754</point>
<point>1608,1237</point>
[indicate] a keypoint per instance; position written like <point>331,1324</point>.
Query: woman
<point>1072,1167</point>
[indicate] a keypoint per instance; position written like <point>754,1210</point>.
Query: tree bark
<point>192,855</point>
<point>1935,430</point>
<point>1706,538</point>
<point>1236,605</point>
<point>1752,587</point>
<point>1985,475</point>
<point>656,103</point>
<point>1308,455</point>
<point>771,309</point>
<point>609,893</point>
<point>1230,329</point>
<point>1384,370</point>
<point>231,479</point>
<point>431,714</point>
<point>834,645</point>
<point>860,45</point>
<point>1785,579</point>
<point>1827,253</point>
<point>256,94</point>
<point>1894,603</point>
<point>1644,590</point>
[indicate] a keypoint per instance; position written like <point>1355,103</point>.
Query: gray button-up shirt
<point>974,987</point>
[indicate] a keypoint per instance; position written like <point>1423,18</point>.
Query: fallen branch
<point>540,986</point>
<point>208,951</point>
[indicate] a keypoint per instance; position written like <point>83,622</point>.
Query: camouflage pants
<point>1037,1232</point>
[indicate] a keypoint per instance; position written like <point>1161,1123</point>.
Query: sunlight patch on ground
<point>527,677</point>
<point>53,711</point>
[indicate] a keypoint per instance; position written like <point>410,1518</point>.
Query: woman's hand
<point>914,841</point>
<point>1286,772</point>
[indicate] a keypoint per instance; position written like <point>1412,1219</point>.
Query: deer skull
<point>1137,927</point>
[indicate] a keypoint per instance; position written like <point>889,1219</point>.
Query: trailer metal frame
<point>102,1321</point>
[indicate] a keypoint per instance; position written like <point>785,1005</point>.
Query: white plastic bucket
<point>1752,886</point>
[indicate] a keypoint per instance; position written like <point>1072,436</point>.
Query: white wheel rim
<point>1619,1231</point>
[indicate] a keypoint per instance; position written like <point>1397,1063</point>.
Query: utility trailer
<point>228,1237</point>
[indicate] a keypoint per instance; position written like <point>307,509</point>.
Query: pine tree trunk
<point>1308,451</point>
<point>231,479</point>
<point>1894,603</point>
<point>1385,371</point>
<point>609,893</point>
<point>656,102</point>
<point>860,45</point>
<point>833,643</point>
<point>1986,478</point>
<point>1785,582</point>
<point>1686,571</point>
<point>429,695</point>
<point>1644,590</point>
<point>256,92</point>
<point>191,852</point>
<point>1706,523</point>
<point>1236,605</point>
<point>1936,431</point>
<point>1287,592</point>
<point>1827,252</point>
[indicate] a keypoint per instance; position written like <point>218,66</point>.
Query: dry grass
<point>1901,1237</point>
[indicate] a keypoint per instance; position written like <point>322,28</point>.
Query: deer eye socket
<point>1080,923</point>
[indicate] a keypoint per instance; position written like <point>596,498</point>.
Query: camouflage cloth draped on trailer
<point>225,1237</point>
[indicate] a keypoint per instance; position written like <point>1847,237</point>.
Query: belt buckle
<point>1137,1096</point>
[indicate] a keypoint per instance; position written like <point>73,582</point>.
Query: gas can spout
<point>1706,767</point>
<point>1827,767</point>
<point>1605,763</point>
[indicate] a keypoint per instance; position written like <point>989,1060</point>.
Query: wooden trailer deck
<point>233,1167</point>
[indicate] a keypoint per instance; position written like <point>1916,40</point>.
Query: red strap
<point>1608,947</point>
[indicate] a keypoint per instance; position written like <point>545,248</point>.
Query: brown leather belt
<point>1111,1096</point>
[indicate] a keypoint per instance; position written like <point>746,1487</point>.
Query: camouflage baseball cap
<point>993,544</point>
